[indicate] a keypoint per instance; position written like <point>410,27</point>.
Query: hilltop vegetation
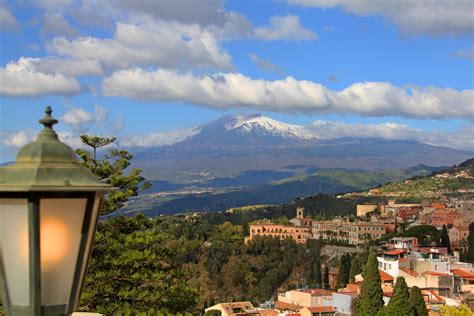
<point>458,179</point>
<point>331,181</point>
<point>183,264</point>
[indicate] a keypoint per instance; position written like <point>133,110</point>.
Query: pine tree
<point>417,301</point>
<point>317,273</point>
<point>399,304</point>
<point>370,301</point>
<point>445,239</point>
<point>111,169</point>
<point>470,244</point>
<point>347,268</point>
<point>344,270</point>
<point>326,277</point>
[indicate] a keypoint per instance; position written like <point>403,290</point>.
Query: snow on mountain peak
<point>262,124</point>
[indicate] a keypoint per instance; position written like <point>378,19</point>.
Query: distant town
<point>440,270</point>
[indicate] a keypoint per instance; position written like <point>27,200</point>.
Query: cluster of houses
<point>443,279</point>
<point>373,221</point>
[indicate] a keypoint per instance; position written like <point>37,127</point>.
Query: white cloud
<point>160,139</point>
<point>67,67</point>
<point>55,23</point>
<point>266,65</point>
<point>285,28</point>
<point>154,43</point>
<point>234,90</point>
<point>53,4</point>
<point>465,54</point>
<point>17,139</point>
<point>434,17</point>
<point>463,138</point>
<point>7,20</point>
<point>81,121</point>
<point>23,79</point>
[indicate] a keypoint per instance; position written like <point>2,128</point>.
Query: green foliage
<point>111,169</point>
<point>444,239</point>
<point>132,270</point>
<point>343,275</point>
<point>317,274</point>
<point>326,277</point>
<point>399,304</point>
<point>370,301</point>
<point>470,244</point>
<point>464,310</point>
<point>314,263</point>
<point>426,234</point>
<point>357,265</point>
<point>213,312</point>
<point>417,301</point>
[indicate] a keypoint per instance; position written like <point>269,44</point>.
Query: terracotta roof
<point>435,273</point>
<point>403,260</point>
<point>435,294</point>
<point>395,252</point>
<point>463,273</point>
<point>388,294</point>
<point>408,271</point>
<point>268,312</point>
<point>385,277</point>
<point>287,306</point>
<point>321,309</point>
<point>319,292</point>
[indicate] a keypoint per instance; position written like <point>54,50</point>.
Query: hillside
<point>331,181</point>
<point>457,179</point>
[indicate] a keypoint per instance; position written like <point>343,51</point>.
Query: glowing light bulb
<point>54,237</point>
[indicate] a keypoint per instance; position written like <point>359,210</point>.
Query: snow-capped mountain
<point>232,145</point>
<point>258,124</point>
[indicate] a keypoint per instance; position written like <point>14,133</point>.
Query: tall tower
<point>299,212</point>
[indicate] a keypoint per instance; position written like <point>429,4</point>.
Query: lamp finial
<point>48,121</point>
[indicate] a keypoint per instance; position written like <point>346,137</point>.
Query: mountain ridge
<point>232,145</point>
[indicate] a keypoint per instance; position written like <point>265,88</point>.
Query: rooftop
<point>321,309</point>
<point>385,277</point>
<point>395,252</point>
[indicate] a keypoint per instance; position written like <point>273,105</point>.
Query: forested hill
<point>332,181</point>
<point>454,180</point>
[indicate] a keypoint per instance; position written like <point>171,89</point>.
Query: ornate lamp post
<point>49,207</point>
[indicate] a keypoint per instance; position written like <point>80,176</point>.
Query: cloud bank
<point>23,78</point>
<point>433,17</point>
<point>234,90</point>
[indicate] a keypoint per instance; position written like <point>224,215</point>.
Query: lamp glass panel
<point>90,238</point>
<point>14,249</point>
<point>61,223</point>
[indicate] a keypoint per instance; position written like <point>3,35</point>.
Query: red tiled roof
<point>321,309</point>
<point>319,292</point>
<point>463,273</point>
<point>435,273</point>
<point>385,277</point>
<point>287,306</point>
<point>408,271</point>
<point>403,259</point>
<point>268,312</point>
<point>395,252</point>
<point>388,294</point>
<point>435,294</point>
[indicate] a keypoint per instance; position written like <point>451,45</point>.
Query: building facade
<point>353,233</point>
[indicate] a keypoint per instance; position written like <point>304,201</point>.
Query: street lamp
<point>49,207</point>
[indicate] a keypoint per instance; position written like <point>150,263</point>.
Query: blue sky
<point>143,67</point>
